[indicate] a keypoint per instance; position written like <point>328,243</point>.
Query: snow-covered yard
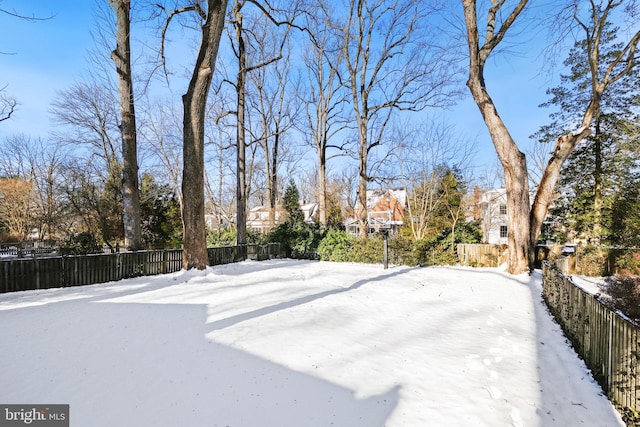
<point>301,344</point>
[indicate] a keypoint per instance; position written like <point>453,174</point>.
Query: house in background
<point>217,220</point>
<point>490,207</point>
<point>258,217</point>
<point>310,211</point>
<point>385,211</point>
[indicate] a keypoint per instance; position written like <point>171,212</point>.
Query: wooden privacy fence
<point>608,343</point>
<point>480,255</point>
<point>21,274</point>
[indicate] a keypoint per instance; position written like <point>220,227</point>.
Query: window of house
<point>503,209</point>
<point>503,231</point>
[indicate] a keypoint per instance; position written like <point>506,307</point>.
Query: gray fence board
<point>21,274</point>
<point>607,342</point>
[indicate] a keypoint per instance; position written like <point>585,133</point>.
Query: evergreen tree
<point>453,190</point>
<point>161,222</point>
<point>593,174</point>
<point>291,202</point>
<point>625,215</point>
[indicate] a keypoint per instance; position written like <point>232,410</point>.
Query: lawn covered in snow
<point>302,344</point>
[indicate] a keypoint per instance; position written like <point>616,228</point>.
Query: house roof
<point>374,196</point>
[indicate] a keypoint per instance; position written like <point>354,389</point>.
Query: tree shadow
<point>263,311</point>
<point>568,385</point>
<point>151,364</point>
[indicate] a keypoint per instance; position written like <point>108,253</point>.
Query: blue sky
<point>43,57</point>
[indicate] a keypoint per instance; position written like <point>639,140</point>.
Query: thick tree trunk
<point>550,176</point>
<point>130,193</point>
<point>194,102</point>
<point>516,178</point>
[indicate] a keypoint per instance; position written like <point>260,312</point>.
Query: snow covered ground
<point>591,285</point>
<point>294,343</point>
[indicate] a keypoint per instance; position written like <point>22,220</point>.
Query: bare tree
<point>121,56</point>
<point>245,66</point>
<point>195,103</point>
<point>162,134</point>
<point>241,144</point>
<point>390,67</point>
<point>40,163</point>
<point>423,155</point>
<point>220,191</point>
<point>16,206</point>
<point>242,191</point>
<point>275,108</point>
<point>223,137</point>
<point>88,112</point>
<point>324,97</point>
<point>513,161</point>
<point>525,220</point>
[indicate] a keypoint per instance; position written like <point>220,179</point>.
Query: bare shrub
<point>622,293</point>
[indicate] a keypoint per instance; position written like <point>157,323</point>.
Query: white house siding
<point>493,219</point>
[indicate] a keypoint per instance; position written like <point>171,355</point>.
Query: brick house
<point>385,211</point>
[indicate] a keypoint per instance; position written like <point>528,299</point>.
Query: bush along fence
<point>21,274</point>
<point>591,260</point>
<point>608,343</point>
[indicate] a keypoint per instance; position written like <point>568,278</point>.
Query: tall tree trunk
<point>597,180</point>
<point>194,102</point>
<point>273,177</point>
<point>241,174</point>
<point>550,176</point>
<point>363,181</point>
<point>516,179</point>
<point>130,193</point>
<point>322,186</point>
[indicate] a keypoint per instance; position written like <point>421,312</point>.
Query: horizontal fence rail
<point>608,343</point>
<point>22,274</point>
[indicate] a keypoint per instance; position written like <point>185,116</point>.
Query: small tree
<point>161,224</point>
<point>625,224</point>
<point>453,190</point>
<point>291,202</point>
<point>16,206</point>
